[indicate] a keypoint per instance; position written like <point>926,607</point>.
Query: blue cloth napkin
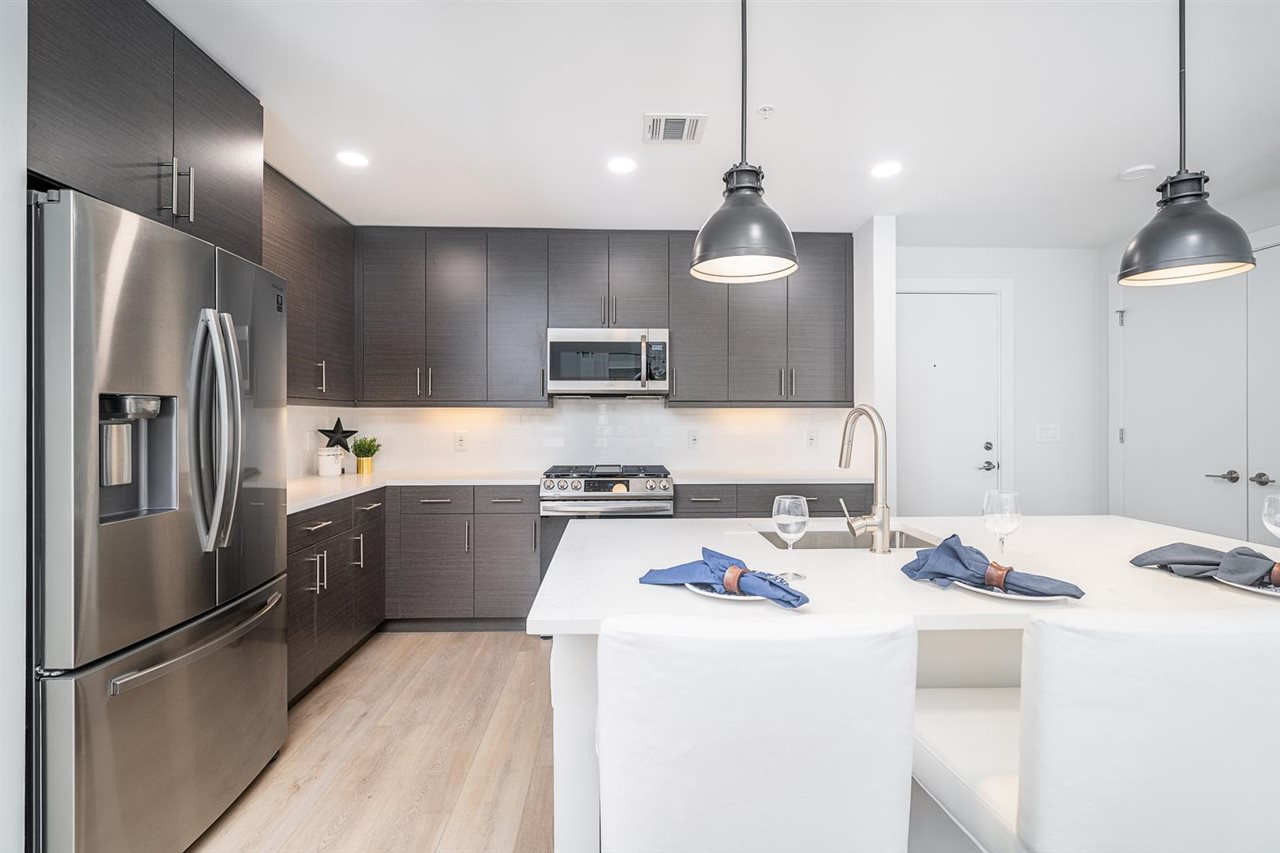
<point>954,561</point>
<point>710,570</point>
<point>1239,565</point>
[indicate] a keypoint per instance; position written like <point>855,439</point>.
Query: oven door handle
<point>621,508</point>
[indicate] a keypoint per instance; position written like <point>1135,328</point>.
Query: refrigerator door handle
<point>124,683</point>
<point>235,436</point>
<point>209,519</point>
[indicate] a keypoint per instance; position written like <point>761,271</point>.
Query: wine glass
<point>1271,514</point>
<point>791,517</point>
<point>1000,514</point>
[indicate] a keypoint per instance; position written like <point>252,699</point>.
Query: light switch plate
<point>695,440</point>
<point>460,441</point>
<point>810,439</point>
<point>1048,433</point>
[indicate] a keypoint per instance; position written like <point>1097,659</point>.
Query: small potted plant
<point>364,448</point>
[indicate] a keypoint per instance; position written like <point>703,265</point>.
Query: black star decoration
<point>338,436</point>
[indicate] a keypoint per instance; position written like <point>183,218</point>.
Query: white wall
<point>875,337</point>
<point>13,352</point>
<point>526,441</point>
<point>1059,363</point>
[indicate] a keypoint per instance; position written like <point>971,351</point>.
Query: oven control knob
<point>650,485</point>
<point>664,485</point>
<point>576,485</point>
<point>548,484</point>
<point>562,485</point>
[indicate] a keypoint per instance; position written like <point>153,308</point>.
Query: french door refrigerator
<point>158,506</point>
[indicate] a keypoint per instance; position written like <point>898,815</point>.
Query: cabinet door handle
<point>604,315</point>
<point>793,382</point>
<point>813,499</point>
<point>173,186</point>
<point>535,535</point>
<point>542,382</point>
<point>782,380</point>
<point>704,500</point>
<point>418,385</point>
<point>467,542</point>
<point>325,555</point>
<point>323,387</point>
<point>316,588</point>
<point>322,525</point>
<point>506,500</point>
<point>436,501</point>
<point>370,507</point>
<point>614,318</point>
<point>430,380</point>
<point>191,193</point>
<point>360,563</point>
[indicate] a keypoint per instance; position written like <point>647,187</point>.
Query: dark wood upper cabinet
<point>817,319</point>
<point>638,279</point>
<point>313,249</point>
<point>757,341</point>
<point>699,329</point>
<point>217,132</point>
<point>578,279</point>
<point>517,315</point>
<point>100,100</point>
<point>393,276</point>
<point>456,338</point>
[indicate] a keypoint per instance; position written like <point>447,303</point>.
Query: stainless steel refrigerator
<point>158,499</point>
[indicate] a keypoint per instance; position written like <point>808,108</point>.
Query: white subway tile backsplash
<point>580,431</point>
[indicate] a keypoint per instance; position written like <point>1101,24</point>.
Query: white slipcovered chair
<point>755,734</point>
<point>1132,732</point>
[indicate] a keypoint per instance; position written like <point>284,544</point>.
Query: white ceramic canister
<point>329,461</point>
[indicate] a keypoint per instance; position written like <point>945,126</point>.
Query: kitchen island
<point>596,571</point>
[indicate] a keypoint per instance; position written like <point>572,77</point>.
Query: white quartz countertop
<point>308,492</point>
<point>597,566</point>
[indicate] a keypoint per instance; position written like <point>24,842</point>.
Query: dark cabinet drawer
<point>706,500</point>
<point>436,499</point>
<point>370,506</point>
<point>505,499</point>
<point>756,500</point>
<point>309,526</point>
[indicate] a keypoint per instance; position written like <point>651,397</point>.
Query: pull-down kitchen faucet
<point>878,521</point>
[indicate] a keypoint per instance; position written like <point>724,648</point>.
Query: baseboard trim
<point>512,624</point>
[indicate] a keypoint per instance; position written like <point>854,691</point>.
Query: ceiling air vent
<point>674,127</point>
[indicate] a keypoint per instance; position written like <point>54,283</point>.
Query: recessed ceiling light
<point>622,165</point>
<point>1137,173</point>
<point>887,169</point>
<point>352,158</point>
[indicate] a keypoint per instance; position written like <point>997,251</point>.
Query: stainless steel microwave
<point>608,361</point>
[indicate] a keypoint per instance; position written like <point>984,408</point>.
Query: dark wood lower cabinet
<point>507,560</point>
<point>300,621</point>
<point>335,613</point>
<point>434,578</point>
<point>369,577</point>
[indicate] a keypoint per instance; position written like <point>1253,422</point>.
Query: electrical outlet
<point>694,440</point>
<point>810,439</point>
<point>460,441</point>
<point>1048,433</point>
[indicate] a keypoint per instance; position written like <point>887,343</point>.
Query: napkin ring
<point>731,576</point>
<point>1275,574</point>
<point>996,574</point>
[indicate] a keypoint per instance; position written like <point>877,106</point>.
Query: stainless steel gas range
<point>591,491</point>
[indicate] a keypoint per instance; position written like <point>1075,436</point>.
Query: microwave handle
<point>644,361</point>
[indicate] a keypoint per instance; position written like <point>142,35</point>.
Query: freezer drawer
<point>143,752</point>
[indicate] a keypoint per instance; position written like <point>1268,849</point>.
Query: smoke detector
<point>674,127</point>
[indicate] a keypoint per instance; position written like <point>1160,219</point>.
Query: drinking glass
<point>790,517</point>
<point>1001,514</point>
<point>1271,514</point>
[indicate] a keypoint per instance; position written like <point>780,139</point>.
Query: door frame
<point>1003,290</point>
<point>1263,238</point>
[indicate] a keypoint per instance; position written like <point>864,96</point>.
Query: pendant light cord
<point>744,81</point>
<point>1182,84</point>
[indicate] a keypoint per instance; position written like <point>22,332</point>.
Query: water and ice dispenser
<point>137,456</point>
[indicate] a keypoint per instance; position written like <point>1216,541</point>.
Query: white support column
<point>875,336</point>
<point>576,769</point>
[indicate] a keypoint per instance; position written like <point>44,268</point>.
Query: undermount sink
<point>822,540</point>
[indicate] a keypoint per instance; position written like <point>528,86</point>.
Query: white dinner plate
<point>1011,596</point>
<point>709,591</point>
<point>1260,590</point>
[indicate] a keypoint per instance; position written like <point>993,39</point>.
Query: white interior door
<point>1264,389</point>
<point>948,401</point>
<point>1184,402</point>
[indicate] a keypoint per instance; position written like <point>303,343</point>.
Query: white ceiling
<point>1011,118</point>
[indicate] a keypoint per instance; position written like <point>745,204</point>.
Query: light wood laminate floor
<point>418,742</point>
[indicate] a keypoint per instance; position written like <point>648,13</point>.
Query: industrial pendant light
<point>744,240</point>
<point>1187,240</point>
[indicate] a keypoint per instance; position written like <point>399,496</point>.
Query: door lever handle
<point>1261,479</point>
<point>1230,476</point>
<point>989,466</point>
